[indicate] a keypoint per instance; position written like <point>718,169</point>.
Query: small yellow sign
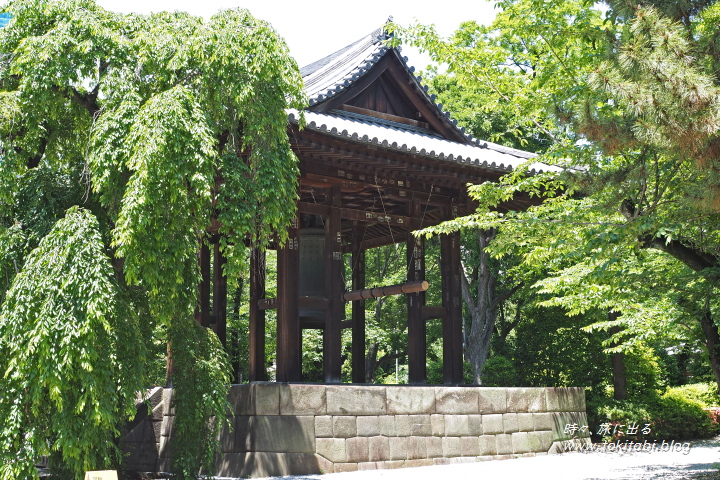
<point>102,475</point>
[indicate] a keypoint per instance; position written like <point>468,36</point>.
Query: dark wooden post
<point>416,324</point>
<point>334,287</point>
<point>452,321</point>
<point>257,316</point>
<point>204,294</point>
<point>288,315</point>
<point>220,294</point>
<point>358,306</point>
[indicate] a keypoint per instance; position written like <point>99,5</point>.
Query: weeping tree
<point>146,130</point>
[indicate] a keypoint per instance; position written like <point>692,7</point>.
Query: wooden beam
<point>358,306</point>
<point>377,292</point>
<point>452,321</point>
<point>417,342</point>
<point>334,286</point>
<point>204,294</point>
<point>257,316</point>
<point>433,312</point>
<point>289,355</point>
<point>220,294</point>
<point>355,215</point>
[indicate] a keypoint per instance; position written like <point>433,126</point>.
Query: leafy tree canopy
<point>627,98</point>
<point>160,125</point>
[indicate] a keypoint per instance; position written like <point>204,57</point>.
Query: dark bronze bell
<point>312,269</point>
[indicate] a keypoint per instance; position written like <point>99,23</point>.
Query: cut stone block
<point>280,434</point>
<point>525,422</point>
<point>475,425</point>
<point>503,444</point>
<point>357,449</point>
<point>493,424</point>
<point>367,466</point>
<point>241,399</point>
<point>346,467</point>
<point>510,423</point>
<point>526,400</point>
<point>420,425</point>
<point>368,426</point>
<point>403,426</point>
<point>543,421</point>
<point>570,399</point>
<point>355,400</point>
<point>469,446</point>
<point>332,448</point>
<point>539,442</point>
<point>456,425</point>
<point>387,426</point>
<point>417,448</point>
<point>298,399</point>
<point>487,445</point>
<point>398,448</point>
<point>266,398</point>
<point>492,400</point>
<point>434,447</point>
<point>451,447</point>
<point>520,442</point>
<point>563,420</point>
<point>344,427</point>
<point>406,400</point>
<point>378,449</point>
<point>456,400</point>
<point>266,464</point>
<point>324,426</point>
<point>437,424</point>
<point>420,462</point>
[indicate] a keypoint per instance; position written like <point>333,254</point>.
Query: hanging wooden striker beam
<point>409,287</point>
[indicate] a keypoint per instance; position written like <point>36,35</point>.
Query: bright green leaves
<point>201,376</point>
<point>167,200</point>
<point>171,124</point>
<point>60,351</point>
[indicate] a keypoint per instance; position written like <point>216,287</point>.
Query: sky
<point>315,28</point>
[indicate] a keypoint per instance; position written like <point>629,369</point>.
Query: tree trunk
<point>618,364</point>
<point>712,342</point>
<point>484,309</point>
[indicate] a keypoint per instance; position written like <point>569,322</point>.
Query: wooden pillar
<point>257,316</point>
<point>204,295</point>
<point>452,322</point>
<point>288,315</point>
<point>220,294</point>
<point>416,324</point>
<point>358,306</point>
<point>334,287</point>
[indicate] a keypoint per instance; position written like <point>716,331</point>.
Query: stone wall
<point>282,429</point>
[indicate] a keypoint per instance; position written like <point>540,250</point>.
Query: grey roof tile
<point>338,71</point>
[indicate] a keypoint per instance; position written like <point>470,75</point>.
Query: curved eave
<point>486,157</point>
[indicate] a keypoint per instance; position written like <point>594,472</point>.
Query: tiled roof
<point>408,139</point>
<point>337,72</point>
<point>334,73</point>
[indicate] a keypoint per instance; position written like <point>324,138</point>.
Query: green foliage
<point>71,355</point>
<point>201,377</point>
<point>499,372</point>
<point>704,393</point>
<point>675,414</point>
<point>550,349</point>
<point>162,125</point>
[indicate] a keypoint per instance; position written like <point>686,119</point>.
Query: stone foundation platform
<point>282,429</point>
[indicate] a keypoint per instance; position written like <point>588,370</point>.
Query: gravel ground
<point>701,462</point>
